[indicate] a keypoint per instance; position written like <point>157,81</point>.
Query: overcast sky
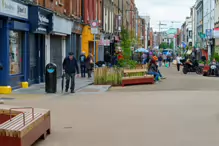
<point>165,10</point>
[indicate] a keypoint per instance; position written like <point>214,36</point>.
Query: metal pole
<point>159,33</point>
<point>94,50</point>
<point>136,24</point>
<point>209,42</point>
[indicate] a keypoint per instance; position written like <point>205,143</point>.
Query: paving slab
<point>40,88</point>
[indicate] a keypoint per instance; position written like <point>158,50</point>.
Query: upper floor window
<point>61,2</point>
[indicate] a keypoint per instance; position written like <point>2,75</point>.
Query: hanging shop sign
<point>61,25</point>
<point>216,33</point>
<point>13,9</point>
<point>40,19</point>
<point>77,28</point>
<point>103,42</point>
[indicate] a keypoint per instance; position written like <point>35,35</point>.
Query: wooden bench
<point>23,126</point>
<point>127,72</point>
<point>137,80</point>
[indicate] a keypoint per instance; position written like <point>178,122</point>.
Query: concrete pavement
<point>180,117</point>
<point>176,81</point>
<point>40,88</point>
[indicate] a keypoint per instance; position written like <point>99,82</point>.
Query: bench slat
<point>16,123</point>
<point>12,128</point>
<point>15,127</point>
<point>28,120</point>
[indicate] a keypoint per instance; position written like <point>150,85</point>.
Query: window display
<point>15,52</point>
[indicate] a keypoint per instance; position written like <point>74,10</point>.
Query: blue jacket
<point>70,66</point>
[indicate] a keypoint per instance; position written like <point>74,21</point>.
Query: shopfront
<point>14,45</point>
<point>104,47</point>
<point>61,30</point>
<point>40,25</point>
<point>76,38</point>
<point>87,40</point>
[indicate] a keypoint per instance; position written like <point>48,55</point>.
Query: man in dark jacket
<point>70,66</point>
<point>83,64</point>
<point>107,58</point>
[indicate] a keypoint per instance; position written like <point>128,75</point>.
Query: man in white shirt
<point>178,59</point>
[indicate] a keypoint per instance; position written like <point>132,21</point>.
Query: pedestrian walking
<point>107,58</point>
<point>178,59</point>
<point>164,58</point>
<point>169,59</point>
<point>83,64</point>
<point>160,59</point>
<point>70,67</point>
<point>89,64</point>
<point>144,58</point>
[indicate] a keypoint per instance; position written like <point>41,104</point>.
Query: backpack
<point>82,59</point>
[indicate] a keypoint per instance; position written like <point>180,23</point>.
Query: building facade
<point>189,31</point>
<point>14,28</point>
<point>199,23</point>
<point>216,27</point>
<point>91,11</point>
<point>208,24</point>
<point>194,27</point>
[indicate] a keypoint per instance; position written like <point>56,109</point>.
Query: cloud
<point>165,10</point>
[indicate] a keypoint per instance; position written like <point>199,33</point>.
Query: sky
<point>165,11</point>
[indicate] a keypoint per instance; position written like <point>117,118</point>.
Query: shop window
<point>15,52</point>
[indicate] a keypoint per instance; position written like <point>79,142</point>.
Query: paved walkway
<point>40,88</point>
<point>176,81</point>
<point>131,118</point>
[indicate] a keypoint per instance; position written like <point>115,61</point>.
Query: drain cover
<point>67,127</point>
<point>6,98</point>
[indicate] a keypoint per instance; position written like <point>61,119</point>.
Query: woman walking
<point>178,59</point>
<point>160,59</point>
<point>89,64</point>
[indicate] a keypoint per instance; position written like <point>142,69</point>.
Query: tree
<point>126,43</point>
<point>171,45</point>
<point>164,45</point>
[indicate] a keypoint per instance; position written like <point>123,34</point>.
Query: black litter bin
<point>1,66</point>
<point>51,78</point>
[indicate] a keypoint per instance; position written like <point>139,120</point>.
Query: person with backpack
<point>83,64</point>
<point>89,64</point>
<point>70,66</point>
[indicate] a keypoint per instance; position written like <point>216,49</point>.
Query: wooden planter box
<point>137,80</point>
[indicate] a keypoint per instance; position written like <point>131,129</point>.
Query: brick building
<point>92,10</point>
<point>151,38</point>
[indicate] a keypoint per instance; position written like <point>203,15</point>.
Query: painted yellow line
<point>23,96</point>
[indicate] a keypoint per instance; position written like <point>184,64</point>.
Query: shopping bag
<point>167,65</point>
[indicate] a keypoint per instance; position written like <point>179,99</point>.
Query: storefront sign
<point>61,25</point>
<point>103,42</point>
<point>11,8</point>
<point>77,28</point>
<point>209,33</point>
<point>40,19</point>
<point>216,33</point>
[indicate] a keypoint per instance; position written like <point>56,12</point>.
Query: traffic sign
<point>94,30</point>
<point>208,32</point>
<point>94,24</point>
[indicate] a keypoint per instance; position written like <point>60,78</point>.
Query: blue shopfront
<point>13,45</point>
<point>40,25</point>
